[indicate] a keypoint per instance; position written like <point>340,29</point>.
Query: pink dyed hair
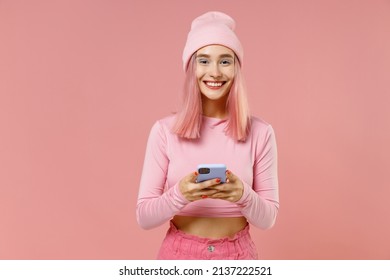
<point>189,118</point>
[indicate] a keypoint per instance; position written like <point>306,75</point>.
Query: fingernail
<point>204,196</point>
<point>196,173</point>
<point>228,172</point>
<point>218,180</point>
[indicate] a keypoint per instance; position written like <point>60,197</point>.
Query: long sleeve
<point>154,206</point>
<point>168,158</point>
<point>260,202</point>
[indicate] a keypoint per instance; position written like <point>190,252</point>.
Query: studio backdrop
<point>82,82</point>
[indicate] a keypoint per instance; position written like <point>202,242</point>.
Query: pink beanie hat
<point>212,28</point>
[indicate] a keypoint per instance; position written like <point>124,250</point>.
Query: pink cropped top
<point>169,158</point>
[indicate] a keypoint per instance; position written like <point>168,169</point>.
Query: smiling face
<point>214,71</point>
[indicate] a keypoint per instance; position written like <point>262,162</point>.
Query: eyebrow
<point>208,56</point>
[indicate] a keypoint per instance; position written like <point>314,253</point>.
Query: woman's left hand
<point>231,191</point>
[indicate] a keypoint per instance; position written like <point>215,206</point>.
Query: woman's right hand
<point>192,190</point>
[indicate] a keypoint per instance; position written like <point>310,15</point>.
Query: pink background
<point>81,83</point>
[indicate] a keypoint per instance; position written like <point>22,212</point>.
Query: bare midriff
<point>210,227</point>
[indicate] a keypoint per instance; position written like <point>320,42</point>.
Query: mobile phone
<point>211,171</point>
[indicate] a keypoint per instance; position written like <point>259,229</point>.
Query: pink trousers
<point>178,245</point>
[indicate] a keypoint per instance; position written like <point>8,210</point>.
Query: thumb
<point>230,177</point>
<point>192,176</point>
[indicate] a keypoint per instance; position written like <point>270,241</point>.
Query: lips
<point>214,85</point>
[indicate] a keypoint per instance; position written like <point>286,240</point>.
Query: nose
<point>215,71</point>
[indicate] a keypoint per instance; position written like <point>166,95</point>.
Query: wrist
<point>245,194</point>
<point>178,197</point>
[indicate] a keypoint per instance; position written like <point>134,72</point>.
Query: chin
<point>214,96</point>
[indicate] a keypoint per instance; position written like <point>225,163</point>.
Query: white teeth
<point>214,84</point>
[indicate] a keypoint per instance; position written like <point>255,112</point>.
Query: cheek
<point>199,77</point>
<point>199,74</point>
<point>230,74</point>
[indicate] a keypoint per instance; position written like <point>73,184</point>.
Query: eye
<point>203,61</point>
<point>226,62</point>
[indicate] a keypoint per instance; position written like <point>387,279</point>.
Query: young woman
<point>210,219</point>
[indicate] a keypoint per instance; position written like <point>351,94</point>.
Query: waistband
<point>180,245</point>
